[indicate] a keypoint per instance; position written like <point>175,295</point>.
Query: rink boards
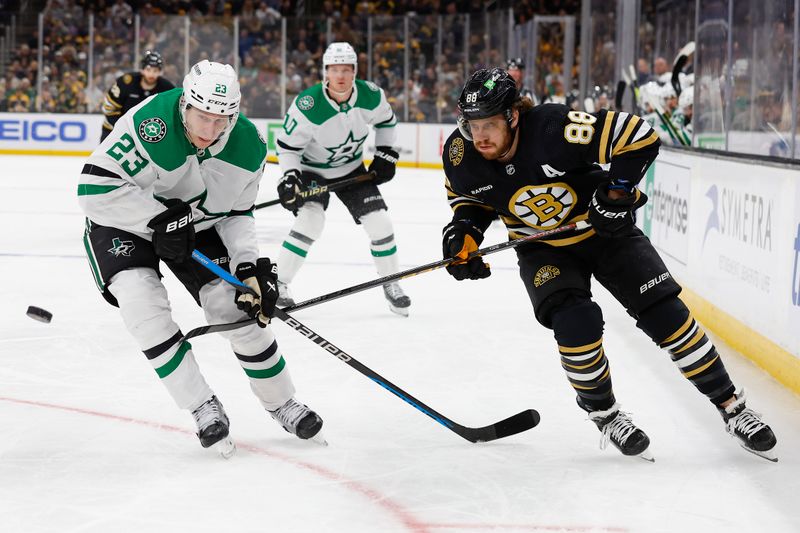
<point>728,227</point>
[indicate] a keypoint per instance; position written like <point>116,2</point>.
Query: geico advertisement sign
<point>669,208</point>
<point>49,131</point>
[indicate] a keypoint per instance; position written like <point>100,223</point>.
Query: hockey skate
<point>212,427</point>
<point>398,301</point>
<point>285,298</point>
<point>746,426</point>
<point>299,420</point>
<point>617,427</point>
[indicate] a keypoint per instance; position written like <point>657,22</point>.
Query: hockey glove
<point>173,231</point>
<point>289,188</point>
<point>614,217</point>
<point>262,278</point>
<point>383,164</point>
<point>459,239</point>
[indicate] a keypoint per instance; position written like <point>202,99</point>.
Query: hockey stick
<point>618,95</point>
<point>678,64</point>
<point>634,85</point>
<point>320,189</point>
<point>216,328</point>
<point>659,110</point>
<point>512,425</point>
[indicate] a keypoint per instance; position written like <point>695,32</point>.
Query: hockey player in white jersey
<point>321,142</point>
<point>181,171</point>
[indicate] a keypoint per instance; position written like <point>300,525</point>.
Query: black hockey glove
<point>383,164</point>
<point>173,231</point>
<point>459,239</point>
<point>289,188</point>
<point>262,278</point>
<point>614,218</point>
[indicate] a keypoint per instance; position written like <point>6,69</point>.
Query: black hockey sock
<point>670,324</point>
<point>578,329</point>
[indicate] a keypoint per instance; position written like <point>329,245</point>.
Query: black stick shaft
<point>510,426</point>
<point>515,424</point>
<point>215,328</point>
<point>431,266</point>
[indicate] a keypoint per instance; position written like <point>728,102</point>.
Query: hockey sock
<point>670,324</point>
<point>307,228</point>
<point>269,377</point>
<point>578,329</point>
<point>146,313</point>
<point>382,244</point>
<point>255,348</point>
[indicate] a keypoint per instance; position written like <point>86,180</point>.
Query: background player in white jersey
<point>322,141</point>
<point>181,171</point>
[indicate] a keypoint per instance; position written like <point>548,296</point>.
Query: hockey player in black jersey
<point>537,168</point>
<point>516,69</point>
<point>133,87</point>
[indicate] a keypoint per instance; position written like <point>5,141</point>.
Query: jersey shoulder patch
<point>127,79</point>
<point>455,151</point>
<point>369,95</point>
<point>313,105</point>
<point>158,126</point>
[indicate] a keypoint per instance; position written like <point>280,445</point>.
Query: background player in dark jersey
<point>132,88</point>
<point>516,68</point>
<point>536,169</point>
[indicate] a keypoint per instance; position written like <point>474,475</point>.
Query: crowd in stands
<point>433,81</point>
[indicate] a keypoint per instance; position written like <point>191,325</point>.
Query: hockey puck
<point>37,313</point>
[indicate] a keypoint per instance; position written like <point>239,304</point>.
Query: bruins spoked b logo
<point>543,206</point>
<point>152,130</point>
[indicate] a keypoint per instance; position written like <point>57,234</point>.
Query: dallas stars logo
<point>152,130</point>
<point>121,247</point>
<point>345,152</point>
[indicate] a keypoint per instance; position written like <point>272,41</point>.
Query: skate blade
<point>647,455</point>
<point>319,438</point>
<point>769,455</point>
<point>226,448</point>
<point>402,311</point>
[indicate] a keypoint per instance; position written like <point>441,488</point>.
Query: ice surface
<point>93,443</point>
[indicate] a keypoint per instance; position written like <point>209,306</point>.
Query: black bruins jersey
<point>554,172</point>
<point>125,94</point>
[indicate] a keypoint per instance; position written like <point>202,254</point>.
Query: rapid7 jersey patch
<point>543,206</point>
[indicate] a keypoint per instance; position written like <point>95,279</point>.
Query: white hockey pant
<point>147,315</point>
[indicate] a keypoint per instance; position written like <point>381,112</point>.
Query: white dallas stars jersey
<point>327,138</point>
<point>148,159</point>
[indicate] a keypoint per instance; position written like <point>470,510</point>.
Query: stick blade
<point>505,428</point>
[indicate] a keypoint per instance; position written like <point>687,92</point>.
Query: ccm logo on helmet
<point>216,102</point>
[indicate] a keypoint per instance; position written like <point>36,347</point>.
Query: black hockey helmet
<point>151,58</point>
<point>487,93</point>
<point>515,62</point>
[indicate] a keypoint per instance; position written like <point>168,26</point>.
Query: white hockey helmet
<point>214,88</point>
<point>339,54</point>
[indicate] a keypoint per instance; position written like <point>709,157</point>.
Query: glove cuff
<point>387,153</point>
<point>634,200</point>
<point>245,270</point>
